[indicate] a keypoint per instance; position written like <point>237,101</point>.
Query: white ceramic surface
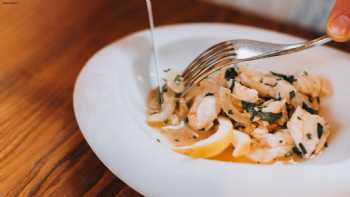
<point>109,106</point>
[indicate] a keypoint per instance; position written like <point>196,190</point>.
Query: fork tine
<point>212,67</point>
<point>209,58</point>
<point>210,61</point>
<point>205,54</point>
<point>206,74</point>
<point>210,53</point>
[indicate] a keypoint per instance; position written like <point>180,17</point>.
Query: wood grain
<point>43,46</point>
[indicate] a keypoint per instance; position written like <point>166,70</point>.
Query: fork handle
<point>305,45</point>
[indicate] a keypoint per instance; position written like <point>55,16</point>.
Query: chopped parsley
<point>309,136</point>
<point>230,73</point>
<point>309,109</point>
<point>291,94</point>
<point>290,110</point>
<point>164,88</point>
<point>158,140</point>
<point>167,70</point>
<point>289,78</point>
<point>265,116</point>
<point>297,151</point>
<point>299,118</point>
<point>284,126</point>
<point>178,79</point>
<point>310,99</point>
<point>302,148</point>
<point>319,130</point>
<point>232,85</point>
<point>270,117</point>
<point>248,107</point>
<point>305,73</point>
<point>209,94</point>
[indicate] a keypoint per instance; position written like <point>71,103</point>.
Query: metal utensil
<point>231,52</point>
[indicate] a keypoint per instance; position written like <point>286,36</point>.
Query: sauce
<point>185,137</point>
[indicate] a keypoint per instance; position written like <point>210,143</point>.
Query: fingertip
<point>338,28</point>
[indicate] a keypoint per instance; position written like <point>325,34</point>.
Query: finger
<point>338,26</point>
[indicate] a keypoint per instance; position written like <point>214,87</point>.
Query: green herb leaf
<point>290,110</point>
<point>248,107</point>
<point>309,109</point>
<point>297,151</point>
<point>319,130</point>
<point>265,116</point>
<point>178,79</point>
<point>269,117</point>
<point>232,85</point>
<point>289,78</point>
<point>164,88</point>
<point>318,100</point>
<point>230,73</point>
<point>309,136</point>
<point>302,148</point>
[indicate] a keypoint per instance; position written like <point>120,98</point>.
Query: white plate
<point>109,105</point>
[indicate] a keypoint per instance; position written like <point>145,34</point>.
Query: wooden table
<point>43,46</point>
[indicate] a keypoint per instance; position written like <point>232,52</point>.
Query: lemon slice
<point>212,145</point>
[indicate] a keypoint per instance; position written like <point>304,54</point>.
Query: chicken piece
<point>203,112</point>
<point>174,81</point>
<point>208,85</point>
<point>267,85</point>
<point>153,104</point>
<point>274,106</point>
<point>182,109</point>
<point>227,103</point>
<point>174,127</point>
<point>282,90</point>
<point>309,132</point>
<point>271,145</point>
<point>241,143</point>
<point>272,140</point>
<point>245,94</point>
<point>254,79</point>
<point>266,155</point>
<point>168,107</point>
<point>311,85</point>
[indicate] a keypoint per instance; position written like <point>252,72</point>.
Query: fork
<point>227,53</point>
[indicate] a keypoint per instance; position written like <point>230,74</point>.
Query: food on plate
<point>248,114</point>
